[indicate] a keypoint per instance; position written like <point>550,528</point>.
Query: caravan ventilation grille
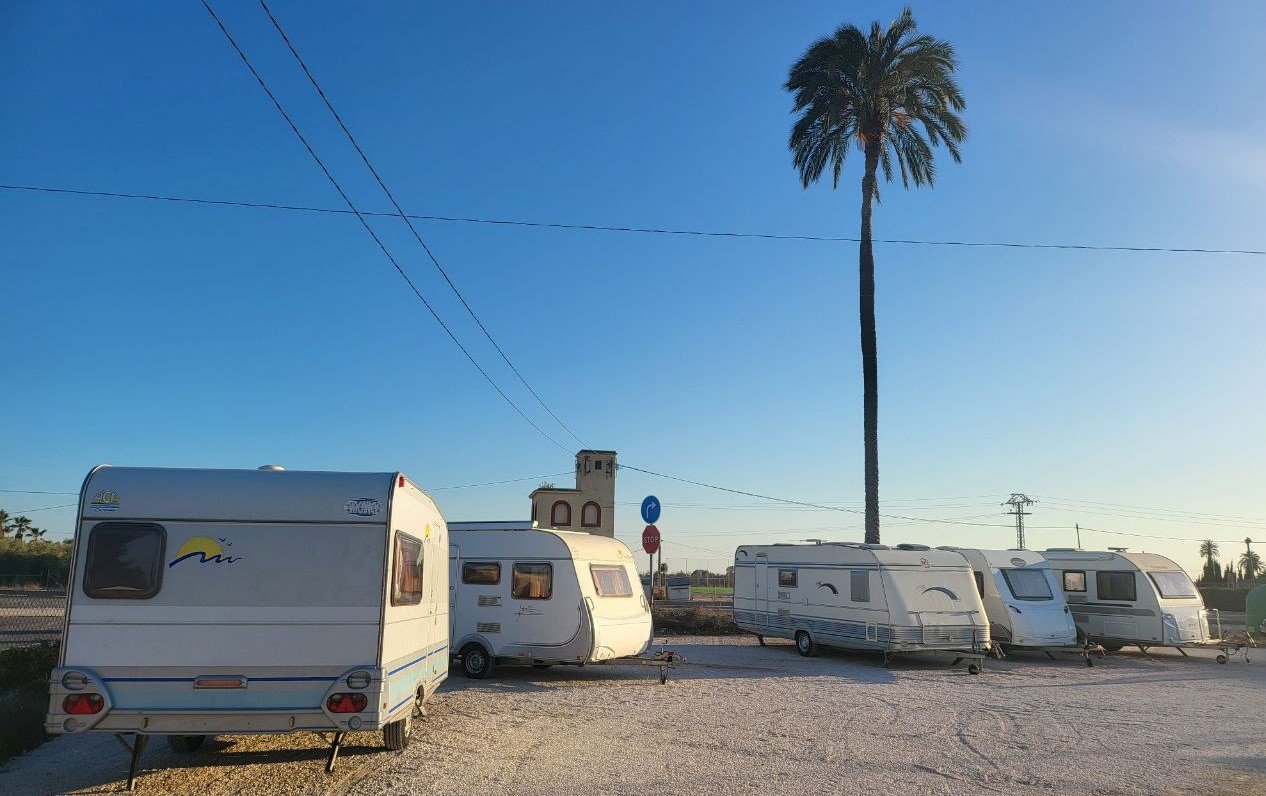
<point>784,595</point>
<point>488,627</point>
<point>486,600</point>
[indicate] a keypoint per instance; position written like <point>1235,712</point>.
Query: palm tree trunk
<point>870,351</point>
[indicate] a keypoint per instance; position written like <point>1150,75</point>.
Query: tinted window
<point>1074,581</point>
<point>859,586</point>
<point>532,581</point>
<point>787,578</point>
<point>487,573</point>
<point>1115,586</point>
<point>407,585</point>
<point>611,580</point>
<point>1173,584</point>
<point>1028,584</point>
<point>980,583</point>
<point>125,560</point>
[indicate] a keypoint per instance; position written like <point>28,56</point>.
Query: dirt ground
<point>739,718</point>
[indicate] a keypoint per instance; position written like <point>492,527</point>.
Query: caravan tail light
<point>346,703</point>
<point>83,704</point>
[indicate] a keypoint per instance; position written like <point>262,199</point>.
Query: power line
<point>400,212</point>
<point>20,512</point>
<point>505,222</point>
<point>34,492</point>
<point>495,483</point>
<point>352,208</point>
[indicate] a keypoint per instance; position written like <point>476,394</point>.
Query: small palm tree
<point>892,94</point>
<point>21,527</point>
<point>1209,550</point>
<point>37,533</point>
<point>1250,561</point>
<point>4,523</point>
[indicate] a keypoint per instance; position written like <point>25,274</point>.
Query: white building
<point>590,506</point>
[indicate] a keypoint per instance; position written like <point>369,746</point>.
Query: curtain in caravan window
<point>859,586</point>
<point>406,587</point>
<point>125,560</point>
<point>1028,584</point>
<point>1116,586</point>
<point>532,581</point>
<point>611,580</point>
<point>487,573</point>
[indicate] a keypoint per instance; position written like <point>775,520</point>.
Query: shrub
<point>24,675</point>
<point>694,622</point>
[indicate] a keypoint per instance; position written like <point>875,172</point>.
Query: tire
<point>185,743</point>
<point>1111,647</point>
<point>395,736</point>
<point>476,662</point>
<point>973,668</point>
<point>805,644</point>
<point>541,666</point>
<point>1221,658</point>
<point>760,640</point>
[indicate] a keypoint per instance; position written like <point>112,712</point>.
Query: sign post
<point>650,543</point>
<point>650,515</point>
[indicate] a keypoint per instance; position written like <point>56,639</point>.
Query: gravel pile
<point>743,719</point>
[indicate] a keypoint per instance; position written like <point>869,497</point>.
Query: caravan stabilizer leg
<point>1182,651</point>
<point>134,749</point>
<point>335,745</point>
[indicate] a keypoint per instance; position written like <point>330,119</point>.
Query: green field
<point>719,590</point>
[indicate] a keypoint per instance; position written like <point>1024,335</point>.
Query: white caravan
<point>1022,597</point>
<point>208,602</point>
<point>858,596</point>
<point>1140,599</point>
<point>542,597</point>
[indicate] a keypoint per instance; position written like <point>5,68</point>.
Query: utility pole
<point>1018,503</point>
<point>1078,527</point>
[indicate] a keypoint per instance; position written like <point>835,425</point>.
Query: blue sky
<point>157,334</point>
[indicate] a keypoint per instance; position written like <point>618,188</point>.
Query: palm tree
<point>1209,552</point>
<point>892,94</point>
<point>21,527</point>
<point>1250,562</point>
<point>37,533</point>
<point>4,523</point>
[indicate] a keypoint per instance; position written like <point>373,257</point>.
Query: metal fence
<point>31,616</point>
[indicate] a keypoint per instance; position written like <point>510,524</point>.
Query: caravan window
<point>859,586</point>
<point>786,578</point>
<point>1074,580</point>
<point>980,582</point>
<point>1028,584</point>
<point>485,573</point>
<point>532,581</point>
<point>611,580</point>
<point>1173,584</point>
<point>1116,586</point>
<point>125,560</point>
<point>406,588</point>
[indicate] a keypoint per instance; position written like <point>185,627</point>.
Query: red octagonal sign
<point>650,539</point>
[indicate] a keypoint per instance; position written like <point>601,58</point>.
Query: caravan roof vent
<point>913,547</point>
<point>276,467</point>
<point>1063,550</point>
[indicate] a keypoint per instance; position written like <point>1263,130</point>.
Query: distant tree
<point>21,527</point>
<point>892,94</point>
<point>4,523</point>
<point>1209,551</point>
<point>37,533</point>
<point>1250,564</point>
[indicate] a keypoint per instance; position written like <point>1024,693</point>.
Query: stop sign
<point>650,539</point>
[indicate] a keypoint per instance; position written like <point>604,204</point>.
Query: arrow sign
<point>650,510</point>
<point>650,539</point>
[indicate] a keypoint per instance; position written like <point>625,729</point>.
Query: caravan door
<point>762,592</point>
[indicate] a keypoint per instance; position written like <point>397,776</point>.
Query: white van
<point>1140,599</point>
<point>542,597</point>
<point>1022,597</point>
<point>860,596</point>
<point>207,602</point>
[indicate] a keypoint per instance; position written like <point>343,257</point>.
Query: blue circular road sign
<point>650,510</point>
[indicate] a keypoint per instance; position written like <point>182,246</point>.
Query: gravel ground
<point>739,718</point>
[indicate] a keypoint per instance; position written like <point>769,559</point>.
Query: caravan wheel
<point>395,736</point>
<point>185,743</point>
<point>805,644</point>
<point>476,661</point>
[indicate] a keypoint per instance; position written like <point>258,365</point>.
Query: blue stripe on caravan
<point>250,680</point>
<point>302,709</point>
<point>396,706</point>
<point>426,655</point>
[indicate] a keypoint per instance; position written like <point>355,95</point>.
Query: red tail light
<point>344,703</point>
<point>83,704</point>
